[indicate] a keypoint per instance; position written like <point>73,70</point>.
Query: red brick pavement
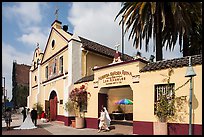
<point>37,131</point>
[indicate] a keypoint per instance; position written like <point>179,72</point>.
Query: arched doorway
<point>108,96</point>
<point>53,105</point>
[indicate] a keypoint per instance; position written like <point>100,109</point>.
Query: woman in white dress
<point>27,124</point>
<point>108,119</point>
<point>102,123</point>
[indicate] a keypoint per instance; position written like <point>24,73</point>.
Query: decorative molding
<point>120,63</point>
<point>54,54</point>
<point>54,78</point>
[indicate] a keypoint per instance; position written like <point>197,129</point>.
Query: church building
<point>66,59</point>
<point>70,61</point>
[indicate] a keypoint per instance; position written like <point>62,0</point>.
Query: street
<point>57,128</point>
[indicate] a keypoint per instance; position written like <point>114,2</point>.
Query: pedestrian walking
<point>24,113</point>
<point>34,115</point>
<point>102,123</point>
<point>7,118</point>
<point>107,119</point>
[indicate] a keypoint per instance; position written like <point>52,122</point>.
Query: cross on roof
<point>56,13</point>
<point>37,44</point>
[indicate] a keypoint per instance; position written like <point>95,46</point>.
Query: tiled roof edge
<point>174,63</point>
<point>85,79</point>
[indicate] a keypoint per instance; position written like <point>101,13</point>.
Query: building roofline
<point>121,63</point>
<point>174,63</point>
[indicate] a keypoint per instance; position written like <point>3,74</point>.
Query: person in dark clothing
<point>24,113</point>
<point>34,116</point>
<point>7,118</point>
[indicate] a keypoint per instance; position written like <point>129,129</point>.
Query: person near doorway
<point>43,117</point>
<point>107,119</point>
<point>24,113</point>
<point>102,123</point>
<point>34,116</point>
<point>7,118</point>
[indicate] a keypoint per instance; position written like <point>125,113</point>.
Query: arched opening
<point>120,114</point>
<point>53,106</point>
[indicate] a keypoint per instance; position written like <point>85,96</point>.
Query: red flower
<point>79,95</point>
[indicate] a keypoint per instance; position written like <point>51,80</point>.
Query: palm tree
<point>165,20</point>
<point>192,43</point>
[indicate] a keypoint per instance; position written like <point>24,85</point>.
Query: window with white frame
<point>61,64</point>
<point>54,66</point>
<point>163,89</point>
<point>46,72</point>
<point>34,65</point>
<point>83,106</point>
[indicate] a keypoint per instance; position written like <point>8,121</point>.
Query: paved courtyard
<point>57,128</point>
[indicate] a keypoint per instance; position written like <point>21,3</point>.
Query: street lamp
<point>190,73</point>
<point>123,38</point>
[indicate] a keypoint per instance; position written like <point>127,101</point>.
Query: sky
<point>24,24</point>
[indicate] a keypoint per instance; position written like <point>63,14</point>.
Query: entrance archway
<point>53,105</point>
<point>108,96</point>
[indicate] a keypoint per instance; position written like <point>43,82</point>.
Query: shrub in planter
<point>166,107</point>
<point>38,106</point>
<point>76,103</point>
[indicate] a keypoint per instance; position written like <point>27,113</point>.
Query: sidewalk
<point>17,120</point>
<point>57,128</point>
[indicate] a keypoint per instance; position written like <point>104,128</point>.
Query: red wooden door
<point>102,101</point>
<point>53,108</point>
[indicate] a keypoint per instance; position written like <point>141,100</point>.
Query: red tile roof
<point>101,49</point>
<point>174,63</point>
<point>85,79</point>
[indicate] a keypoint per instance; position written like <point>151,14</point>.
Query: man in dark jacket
<point>24,113</point>
<point>34,116</point>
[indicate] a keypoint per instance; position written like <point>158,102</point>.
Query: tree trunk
<point>158,25</point>
<point>185,45</point>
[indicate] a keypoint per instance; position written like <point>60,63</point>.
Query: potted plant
<point>76,103</point>
<point>39,109</point>
<point>169,106</point>
<point>164,107</point>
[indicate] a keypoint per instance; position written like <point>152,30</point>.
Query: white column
<point>38,80</point>
<point>65,97</point>
<point>74,64</point>
<point>75,55</point>
<point>30,90</point>
<point>43,92</point>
